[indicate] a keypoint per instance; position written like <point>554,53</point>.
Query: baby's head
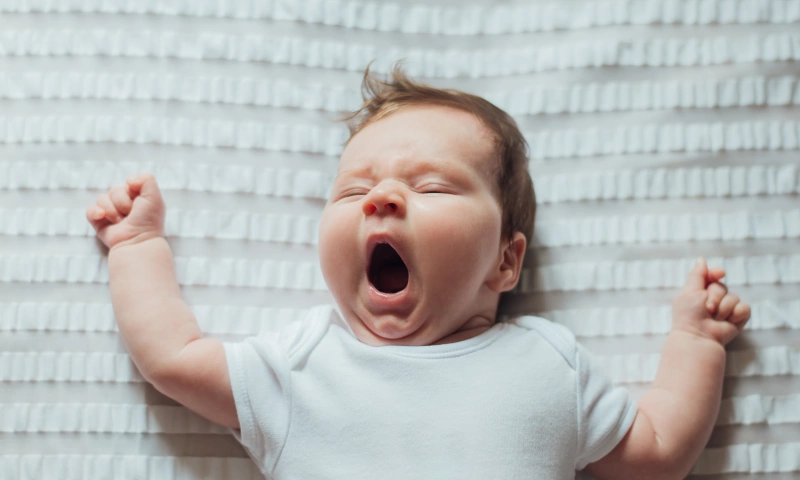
<point>429,216</point>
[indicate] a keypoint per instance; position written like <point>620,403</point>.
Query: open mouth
<point>387,271</point>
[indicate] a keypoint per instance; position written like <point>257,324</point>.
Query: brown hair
<point>515,188</point>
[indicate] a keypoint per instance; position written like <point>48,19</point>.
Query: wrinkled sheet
<point>659,131</point>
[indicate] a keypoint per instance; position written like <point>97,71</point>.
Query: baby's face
<point>409,240</point>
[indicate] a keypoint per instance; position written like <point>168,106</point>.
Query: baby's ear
<point>507,273</point>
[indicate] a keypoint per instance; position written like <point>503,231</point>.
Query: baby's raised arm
<point>158,328</point>
<point>676,416</point>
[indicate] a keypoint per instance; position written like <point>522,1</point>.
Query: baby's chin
<point>389,328</point>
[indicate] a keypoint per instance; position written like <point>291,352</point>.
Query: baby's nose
<point>384,202</point>
<point>371,208</point>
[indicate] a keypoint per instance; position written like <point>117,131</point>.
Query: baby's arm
<point>676,416</point>
<point>158,328</point>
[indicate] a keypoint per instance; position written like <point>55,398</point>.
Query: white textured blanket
<point>660,131</point>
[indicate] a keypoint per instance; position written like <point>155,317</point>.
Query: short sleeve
<point>259,368</point>
<point>605,411</point>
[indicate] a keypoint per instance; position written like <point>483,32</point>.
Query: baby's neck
<point>474,327</point>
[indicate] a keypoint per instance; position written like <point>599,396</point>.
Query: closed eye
<point>434,189</point>
<point>352,193</point>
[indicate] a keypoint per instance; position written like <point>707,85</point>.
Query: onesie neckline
<point>454,349</point>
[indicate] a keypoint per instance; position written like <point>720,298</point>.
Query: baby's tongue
<point>393,278</point>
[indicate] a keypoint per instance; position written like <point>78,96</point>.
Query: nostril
<point>393,206</point>
<point>370,209</point>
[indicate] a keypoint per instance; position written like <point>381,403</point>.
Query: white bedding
<point>660,131</point>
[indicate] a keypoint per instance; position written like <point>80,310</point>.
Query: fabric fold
<point>252,226</point>
<point>745,91</point>
<point>252,320</point>
<point>768,361</point>
<point>673,228</point>
<point>681,182</point>
<point>99,317</point>
<point>657,320</point>
<point>750,458</point>
<point>226,271</point>
<point>753,409</point>
<point>103,417</point>
<point>118,367</point>
<point>100,467</point>
<point>664,138</point>
<point>429,62</point>
<point>656,273</point>
<point>448,20</point>
<point>180,131</point>
<point>60,174</point>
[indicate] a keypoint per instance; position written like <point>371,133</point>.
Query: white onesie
<point>522,400</point>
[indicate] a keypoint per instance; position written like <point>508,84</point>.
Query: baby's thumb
<point>697,276</point>
<point>145,185</point>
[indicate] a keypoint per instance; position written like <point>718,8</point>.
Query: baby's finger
<point>136,182</point>
<point>698,277</point>
<point>104,202</point>
<point>715,274</point>
<point>724,331</point>
<point>121,198</point>
<point>96,216</point>
<point>740,314</point>
<point>145,185</point>
<point>726,306</point>
<point>715,293</point>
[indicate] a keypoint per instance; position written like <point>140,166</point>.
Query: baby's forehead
<point>423,140</point>
<point>417,165</point>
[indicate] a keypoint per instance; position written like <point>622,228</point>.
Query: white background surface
<point>659,131</point>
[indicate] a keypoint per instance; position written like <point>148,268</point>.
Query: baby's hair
<point>515,187</point>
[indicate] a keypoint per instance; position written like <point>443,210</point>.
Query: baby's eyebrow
<point>417,168</point>
<point>450,170</point>
<point>351,172</point>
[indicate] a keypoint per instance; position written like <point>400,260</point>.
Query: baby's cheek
<point>474,227</point>
<point>462,245</point>
<point>337,238</point>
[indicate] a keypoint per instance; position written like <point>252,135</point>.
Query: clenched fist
<point>129,213</point>
<point>706,308</point>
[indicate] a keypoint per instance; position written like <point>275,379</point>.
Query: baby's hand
<point>704,307</point>
<point>129,213</point>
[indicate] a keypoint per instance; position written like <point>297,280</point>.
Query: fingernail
<point>132,178</point>
<point>697,262</point>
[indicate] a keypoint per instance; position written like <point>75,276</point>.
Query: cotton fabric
<point>521,400</point>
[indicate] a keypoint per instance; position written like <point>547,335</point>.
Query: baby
<point>410,375</point>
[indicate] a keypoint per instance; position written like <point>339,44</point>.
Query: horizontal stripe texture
<point>658,131</point>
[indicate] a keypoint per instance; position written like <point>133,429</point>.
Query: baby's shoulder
<point>295,337</point>
<point>558,336</point>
